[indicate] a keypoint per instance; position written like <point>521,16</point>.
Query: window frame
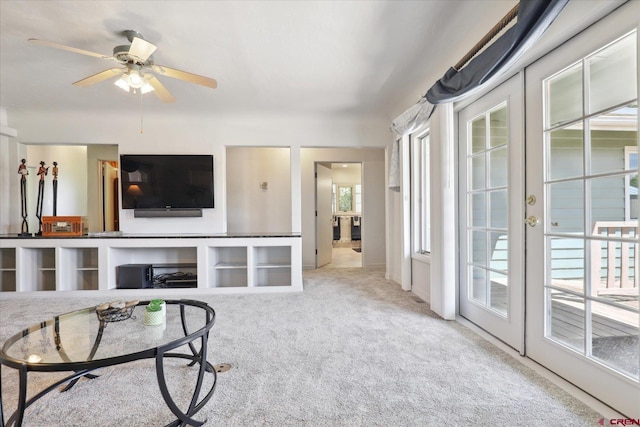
<point>419,153</point>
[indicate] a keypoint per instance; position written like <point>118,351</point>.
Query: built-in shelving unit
<point>220,263</point>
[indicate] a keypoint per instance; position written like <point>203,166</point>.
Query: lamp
<point>135,190</point>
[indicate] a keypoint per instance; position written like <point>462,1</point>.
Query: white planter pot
<point>152,318</point>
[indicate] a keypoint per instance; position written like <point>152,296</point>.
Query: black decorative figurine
<point>54,172</point>
<point>42,172</point>
<point>23,171</point>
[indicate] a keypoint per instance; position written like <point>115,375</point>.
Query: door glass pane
<point>478,210</point>
<point>614,337</point>
<point>566,319</point>
<point>498,122</point>
<point>607,199</point>
<point>611,134</point>
<point>478,135</point>
<point>612,74</point>
<point>564,94</point>
<point>478,288</point>
<point>498,295</point>
<point>566,267</point>
<point>499,251</point>
<point>566,152</point>
<point>566,207</point>
<point>479,248</point>
<point>477,172</point>
<point>613,267</point>
<point>498,167</point>
<point>498,209</point>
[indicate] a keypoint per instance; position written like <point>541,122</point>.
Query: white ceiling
<point>362,58</point>
<point>317,57</point>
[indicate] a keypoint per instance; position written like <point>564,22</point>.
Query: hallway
<point>344,257</point>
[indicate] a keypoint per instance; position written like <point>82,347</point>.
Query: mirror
<point>86,184</point>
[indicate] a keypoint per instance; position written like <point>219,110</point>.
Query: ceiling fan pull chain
<point>141,114</point>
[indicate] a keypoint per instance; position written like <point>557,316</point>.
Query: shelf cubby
<point>228,267</point>
<point>7,270</point>
<point>79,269</point>
<point>167,259</point>
<point>38,269</point>
<point>273,266</point>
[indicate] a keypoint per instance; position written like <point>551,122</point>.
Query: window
<point>347,198</point>
<point>420,197</point>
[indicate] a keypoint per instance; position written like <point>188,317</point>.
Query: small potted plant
<point>155,312</point>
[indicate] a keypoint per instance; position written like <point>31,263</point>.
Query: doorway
<point>108,200</point>
<point>557,237</point>
<point>339,214</point>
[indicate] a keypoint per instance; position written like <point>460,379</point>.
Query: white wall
<point>349,175</point>
<point>9,184</point>
<point>373,199</point>
<point>249,207</point>
<point>193,132</point>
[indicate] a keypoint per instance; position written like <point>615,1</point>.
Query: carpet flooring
<point>353,349</point>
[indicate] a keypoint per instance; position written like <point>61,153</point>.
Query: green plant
<point>155,305</point>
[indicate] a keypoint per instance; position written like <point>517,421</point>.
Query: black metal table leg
<point>1,410</point>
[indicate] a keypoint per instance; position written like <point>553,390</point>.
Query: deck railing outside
<point>619,257</point>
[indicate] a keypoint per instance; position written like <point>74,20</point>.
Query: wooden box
<point>53,226</point>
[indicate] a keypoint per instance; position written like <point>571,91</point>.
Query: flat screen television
<point>157,181</point>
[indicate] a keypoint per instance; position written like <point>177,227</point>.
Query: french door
<point>582,235</point>
<point>491,197</point>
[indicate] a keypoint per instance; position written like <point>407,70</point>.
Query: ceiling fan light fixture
<point>124,84</point>
<point>135,79</point>
<point>146,88</point>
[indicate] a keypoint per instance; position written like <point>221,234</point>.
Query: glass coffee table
<point>81,342</point>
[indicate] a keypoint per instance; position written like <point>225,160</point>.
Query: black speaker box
<point>134,276</point>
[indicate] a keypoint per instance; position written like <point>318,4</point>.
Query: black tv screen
<point>153,181</point>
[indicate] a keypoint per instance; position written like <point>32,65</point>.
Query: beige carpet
<point>352,350</point>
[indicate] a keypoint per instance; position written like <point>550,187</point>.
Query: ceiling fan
<point>137,65</point>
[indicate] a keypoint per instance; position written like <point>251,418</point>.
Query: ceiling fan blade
<point>141,49</point>
<point>97,78</point>
<point>70,49</point>
<point>159,89</point>
<point>183,75</point>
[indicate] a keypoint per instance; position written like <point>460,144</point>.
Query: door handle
<point>531,221</point>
